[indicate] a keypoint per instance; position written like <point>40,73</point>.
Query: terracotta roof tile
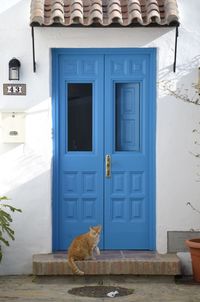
<point>103,12</point>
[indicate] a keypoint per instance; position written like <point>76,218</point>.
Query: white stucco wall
<point>25,169</point>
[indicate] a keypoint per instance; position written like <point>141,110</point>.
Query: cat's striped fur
<point>82,248</point>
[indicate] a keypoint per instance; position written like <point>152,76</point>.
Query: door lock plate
<point>108,165</point>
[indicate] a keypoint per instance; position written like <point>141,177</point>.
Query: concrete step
<point>110,263</point>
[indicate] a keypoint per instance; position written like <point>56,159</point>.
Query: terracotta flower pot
<point>194,246</point>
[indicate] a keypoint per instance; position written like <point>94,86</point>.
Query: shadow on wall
<point>11,7</point>
<point>22,163</point>
<point>182,69</point>
<point>25,178</point>
<point>178,114</point>
<point>33,226</point>
<point>182,85</point>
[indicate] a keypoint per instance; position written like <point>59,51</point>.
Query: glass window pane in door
<point>79,117</point>
<point>127,119</point>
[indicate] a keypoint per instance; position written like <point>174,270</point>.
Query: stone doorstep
<point>110,263</point>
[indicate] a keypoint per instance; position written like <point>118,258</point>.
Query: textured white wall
<point>26,169</point>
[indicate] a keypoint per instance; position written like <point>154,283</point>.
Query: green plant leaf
<point>4,241</point>
<point>13,209</point>
<point>5,220</point>
<point>4,198</point>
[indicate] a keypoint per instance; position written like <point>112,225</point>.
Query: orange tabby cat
<point>82,248</point>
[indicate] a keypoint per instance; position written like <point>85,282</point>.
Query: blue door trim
<point>55,135</point>
<point>151,52</point>
<point>152,117</point>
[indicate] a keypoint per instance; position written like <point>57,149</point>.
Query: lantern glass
<point>14,73</point>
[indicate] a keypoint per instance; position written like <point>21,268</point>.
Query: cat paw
<point>98,251</point>
<point>90,258</point>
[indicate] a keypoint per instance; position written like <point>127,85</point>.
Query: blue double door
<point>104,148</point>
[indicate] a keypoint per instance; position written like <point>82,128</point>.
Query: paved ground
<point>28,289</point>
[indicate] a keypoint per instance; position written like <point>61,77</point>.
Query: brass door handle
<point>108,165</point>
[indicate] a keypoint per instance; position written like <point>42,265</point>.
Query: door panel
<point>126,141</point>
<point>105,124</point>
<point>127,119</point>
<point>81,145</point>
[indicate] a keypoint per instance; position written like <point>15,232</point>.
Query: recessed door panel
<point>127,118</point>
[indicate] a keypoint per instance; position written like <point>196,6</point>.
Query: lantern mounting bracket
<point>33,48</point>
<point>175,49</point>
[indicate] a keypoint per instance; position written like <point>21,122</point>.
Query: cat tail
<point>74,267</point>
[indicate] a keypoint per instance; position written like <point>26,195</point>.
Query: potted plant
<point>6,232</point>
<point>194,247</point>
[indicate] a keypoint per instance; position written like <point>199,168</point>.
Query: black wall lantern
<point>14,67</point>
